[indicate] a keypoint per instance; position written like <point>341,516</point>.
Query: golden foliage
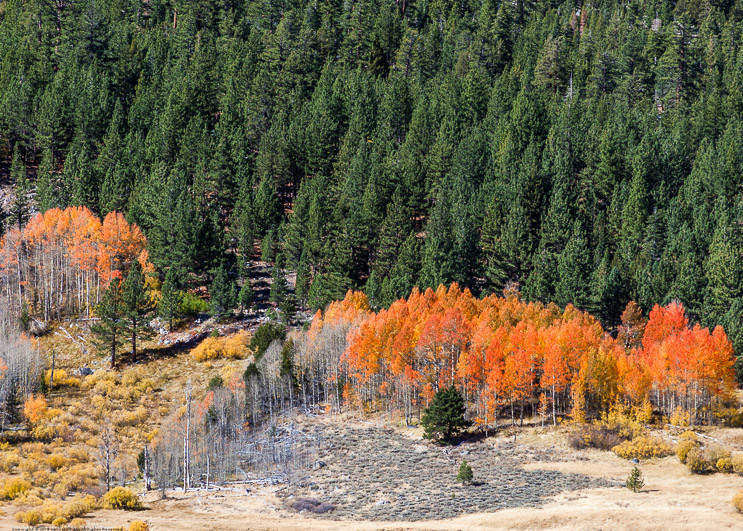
<point>120,498</point>
<point>738,501</point>
<point>698,461</point>
<point>139,525</point>
<point>724,465</point>
<point>643,447</point>
<point>234,346</point>
<point>13,487</point>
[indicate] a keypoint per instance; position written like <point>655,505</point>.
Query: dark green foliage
<point>279,286</point>
<point>464,475</point>
<point>287,361</point>
<point>588,157</point>
<point>444,418</point>
<point>20,210</point>
<point>169,306</point>
<point>266,334</point>
<point>246,296</point>
<point>223,293</point>
<point>215,382</point>
<point>137,305</point>
<point>109,331</point>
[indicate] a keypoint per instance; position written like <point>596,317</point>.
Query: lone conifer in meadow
<point>444,419</point>
<point>465,473</point>
<point>635,482</point>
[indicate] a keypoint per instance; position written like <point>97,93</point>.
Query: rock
<point>635,461</point>
<point>85,371</point>
<point>319,465</point>
<point>382,502</point>
<point>464,452</point>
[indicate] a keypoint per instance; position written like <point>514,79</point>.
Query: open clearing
<point>382,479</point>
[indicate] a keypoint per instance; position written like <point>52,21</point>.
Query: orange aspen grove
<point>59,264</point>
<point>506,355</point>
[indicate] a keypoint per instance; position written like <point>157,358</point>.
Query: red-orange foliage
<point>507,355</point>
<point>62,260</point>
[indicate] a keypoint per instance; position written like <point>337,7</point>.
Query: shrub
<point>698,462</point>
<point>59,521</point>
<point>139,525</point>
<point>8,461</point>
<point>34,408</point>
<point>737,460</point>
<point>643,447</point>
<point>594,436</point>
<point>30,518</point>
<point>78,523</point>
<point>56,461</point>
<point>193,305</point>
<point>635,482</point>
<point>724,465</point>
<point>14,487</point>
<point>235,346</point>
<point>716,453</point>
<point>684,447</point>
<point>120,498</point>
<point>208,349</point>
<point>613,429</point>
<point>738,501</point>
<point>312,505</point>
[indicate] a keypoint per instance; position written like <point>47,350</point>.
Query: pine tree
<point>635,482</point>
<point>45,190</point>
<point>444,418</point>
<point>574,268</point>
<point>21,210</point>
<point>169,307</point>
<point>137,306</point>
<point>246,296</point>
<point>279,286</point>
<point>223,293</point>
<point>464,475</point>
<point>109,331</point>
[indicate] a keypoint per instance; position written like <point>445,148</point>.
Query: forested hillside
<point>590,153</point>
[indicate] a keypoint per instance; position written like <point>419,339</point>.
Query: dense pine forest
<point>583,153</point>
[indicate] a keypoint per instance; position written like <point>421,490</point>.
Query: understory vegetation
<point>506,215</point>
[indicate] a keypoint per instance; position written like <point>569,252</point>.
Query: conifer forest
<point>246,243</point>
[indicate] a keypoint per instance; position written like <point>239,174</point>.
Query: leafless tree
<point>108,451</point>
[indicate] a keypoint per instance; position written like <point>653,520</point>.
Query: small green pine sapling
<point>465,473</point>
<point>635,482</point>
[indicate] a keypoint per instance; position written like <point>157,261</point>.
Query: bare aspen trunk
<point>147,480</point>
<point>187,442</point>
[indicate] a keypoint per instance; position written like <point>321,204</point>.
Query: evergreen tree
<point>223,293</point>
<point>444,418</point>
<point>21,210</point>
<point>464,475</point>
<point>279,285</point>
<point>169,307</point>
<point>635,482</point>
<point>111,328</point>
<point>246,297</point>
<point>137,306</point>
<point>45,190</point>
<point>574,269</point>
